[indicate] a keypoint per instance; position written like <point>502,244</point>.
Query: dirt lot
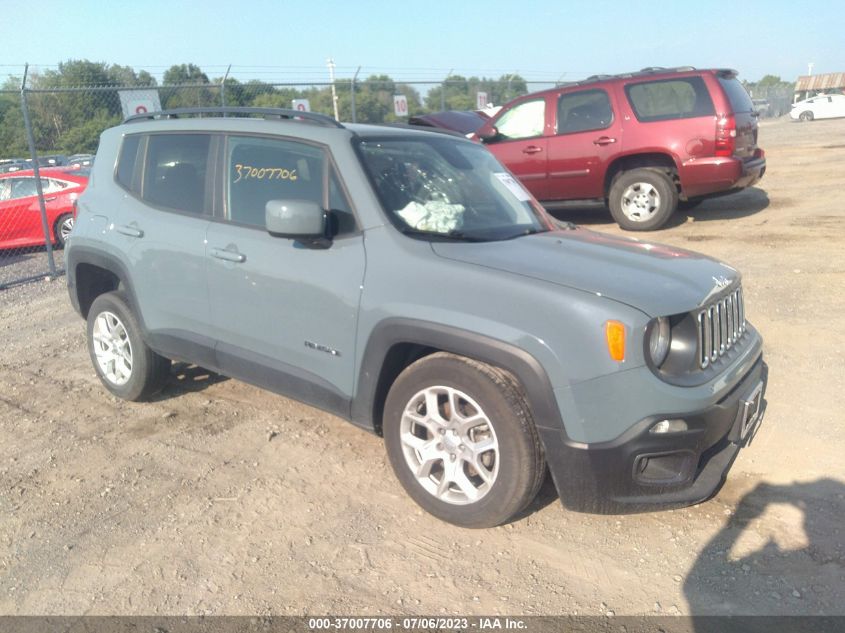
<point>188,506</point>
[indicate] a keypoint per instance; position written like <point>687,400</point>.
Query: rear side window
<point>738,97</point>
<point>175,170</point>
<point>582,111</point>
<point>260,170</point>
<point>668,99</point>
<point>126,163</point>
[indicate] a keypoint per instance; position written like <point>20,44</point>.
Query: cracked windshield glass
<point>449,189</point>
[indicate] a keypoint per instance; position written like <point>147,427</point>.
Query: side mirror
<point>297,219</point>
<point>487,132</point>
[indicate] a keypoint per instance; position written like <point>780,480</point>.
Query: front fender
<point>393,331</point>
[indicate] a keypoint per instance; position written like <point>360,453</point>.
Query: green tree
<point>186,88</point>
<point>126,76</point>
<point>12,134</point>
<point>65,106</point>
<point>459,93</point>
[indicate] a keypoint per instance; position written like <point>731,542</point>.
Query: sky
<point>548,40</point>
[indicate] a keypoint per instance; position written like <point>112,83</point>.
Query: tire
<point>498,436</point>
<point>62,228</point>
<point>138,372</point>
<point>642,199</point>
<point>806,116</point>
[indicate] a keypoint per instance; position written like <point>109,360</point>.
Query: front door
<point>284,312</point>
<point>522,146</point>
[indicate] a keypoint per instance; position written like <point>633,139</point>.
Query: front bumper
<point>641,471</point>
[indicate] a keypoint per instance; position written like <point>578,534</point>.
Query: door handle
<point>229,256</point>
<point>50,199</point>
<point>131,231</point>
<point>532,149</point>
<point>604,140</point>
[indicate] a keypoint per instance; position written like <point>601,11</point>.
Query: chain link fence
<point>49,136</point>
<point>773,101</point>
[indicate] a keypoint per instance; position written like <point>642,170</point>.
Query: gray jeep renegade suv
<point>403,280</point>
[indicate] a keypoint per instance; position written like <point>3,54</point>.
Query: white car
<point>819,107</point>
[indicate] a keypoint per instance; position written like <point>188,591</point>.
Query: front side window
<point>669,99</point>
<point>23,188</point>
<point>582,111</point>
<point>449,189</point>
<point>525,120</point>
<point>260,170</point>
<point>175,170</point>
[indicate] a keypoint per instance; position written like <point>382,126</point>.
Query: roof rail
<point>280,113</point>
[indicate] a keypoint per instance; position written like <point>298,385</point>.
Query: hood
<point>456,120</point>
<point>657,279</point>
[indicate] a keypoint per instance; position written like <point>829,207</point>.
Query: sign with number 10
<point>400,105</point>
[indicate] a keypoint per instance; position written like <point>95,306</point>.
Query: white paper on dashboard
<point>513,186</point>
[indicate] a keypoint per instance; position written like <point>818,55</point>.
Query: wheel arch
<point>91,273</point>
<point>395,343</point>
<point>638,161</point>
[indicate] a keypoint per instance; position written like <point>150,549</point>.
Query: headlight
<point>659,340</point>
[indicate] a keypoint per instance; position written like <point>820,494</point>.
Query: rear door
<point>521,143</point>
<point>588,135</point>
<point>744,115</point>
<point>161,225</point>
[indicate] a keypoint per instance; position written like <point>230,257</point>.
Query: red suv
<point>642,142</point>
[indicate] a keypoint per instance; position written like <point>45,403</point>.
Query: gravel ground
<point>219,498</point>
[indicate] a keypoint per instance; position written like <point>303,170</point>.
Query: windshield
<point>449,189</point>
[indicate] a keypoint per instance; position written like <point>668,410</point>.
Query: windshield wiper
<point>524,233</point>
<point>452,236</point>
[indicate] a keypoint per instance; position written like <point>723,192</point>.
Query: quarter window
<point>670,99</point>
<point>127,161</point>
<point>523,121</point>
<point>582,111</point>
<point>175,171</point>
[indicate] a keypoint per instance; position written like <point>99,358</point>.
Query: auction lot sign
<point>134,102</point>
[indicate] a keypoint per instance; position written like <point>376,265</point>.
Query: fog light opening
<point>669,426</point>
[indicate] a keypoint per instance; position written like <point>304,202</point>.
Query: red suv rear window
<point>666,99</point>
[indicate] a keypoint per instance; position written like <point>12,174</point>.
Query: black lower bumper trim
<point>612,478</point>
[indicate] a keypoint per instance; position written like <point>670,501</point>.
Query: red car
<point>642,142</point>
<point>20,215</point>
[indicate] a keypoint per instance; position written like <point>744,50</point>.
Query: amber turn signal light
<point>615,333</point>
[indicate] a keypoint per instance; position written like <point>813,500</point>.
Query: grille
<point>720,326</point>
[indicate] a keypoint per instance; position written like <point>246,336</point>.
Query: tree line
<point>70,122</point>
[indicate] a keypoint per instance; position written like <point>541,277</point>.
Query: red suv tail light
<point>725,135</point>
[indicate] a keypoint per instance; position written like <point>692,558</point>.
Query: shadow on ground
<point>738,205</point>
<point>185,378</point>
<point>781,553</point>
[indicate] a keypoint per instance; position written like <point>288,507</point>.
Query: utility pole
<point>223,87</point>
<point>352,95</point>
<point>330,64</point>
